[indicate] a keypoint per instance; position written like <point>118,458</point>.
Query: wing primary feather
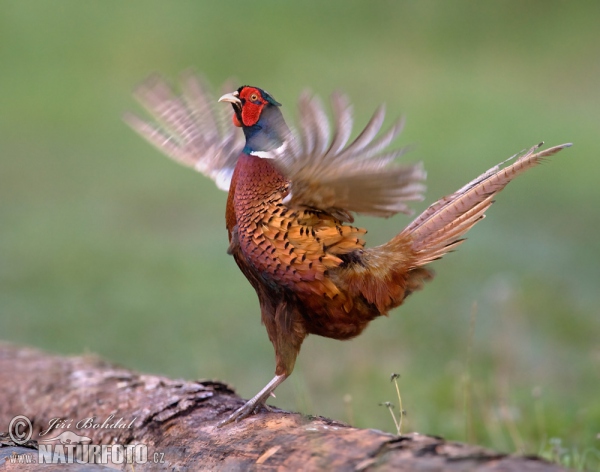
<point>367,134</point>
<point>340,178</point>
<point>190,128</point>
<point>342,112</point>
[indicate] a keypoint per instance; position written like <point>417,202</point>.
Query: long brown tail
<point>440,228</point>
<point>392,271</point>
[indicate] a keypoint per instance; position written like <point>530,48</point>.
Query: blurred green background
<point>108,247</point>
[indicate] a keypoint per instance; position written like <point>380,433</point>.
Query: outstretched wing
<point>331,175</point>
<point>191,129</point>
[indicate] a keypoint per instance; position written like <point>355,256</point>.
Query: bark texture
<point>177,419</point>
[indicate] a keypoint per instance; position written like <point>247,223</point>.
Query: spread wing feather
<point>191,129</point>
<point>339,178</point>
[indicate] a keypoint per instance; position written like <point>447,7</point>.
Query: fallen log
<point>78,404</point>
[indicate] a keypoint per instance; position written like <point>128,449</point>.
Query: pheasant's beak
<point>232,98</point>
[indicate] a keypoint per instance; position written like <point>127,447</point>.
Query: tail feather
<point>439,229</point>
<point>392,271</point>
<point>456,228</point>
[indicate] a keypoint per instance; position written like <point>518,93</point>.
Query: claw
<point>248,409</point>
<point>254,405</point>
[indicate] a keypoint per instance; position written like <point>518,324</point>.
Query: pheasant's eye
<point>253,97</point>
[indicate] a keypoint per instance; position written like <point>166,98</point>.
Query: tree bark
<point>176,420</point>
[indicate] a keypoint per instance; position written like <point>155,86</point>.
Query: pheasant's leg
<point>255,402</point>
<point>285,327</point>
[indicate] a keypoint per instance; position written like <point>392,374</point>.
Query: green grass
<point>106,246</point>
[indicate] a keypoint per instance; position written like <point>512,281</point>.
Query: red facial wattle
<point>252,106</point>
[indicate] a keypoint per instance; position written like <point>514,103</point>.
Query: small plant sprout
<point>398,422</point>
<point>390,407</point>
<point>394,378</point>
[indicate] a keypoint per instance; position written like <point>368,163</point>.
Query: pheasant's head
<point>258,114</point>
<point>248,104</point>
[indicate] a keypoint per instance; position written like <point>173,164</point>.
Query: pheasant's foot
<point>241,413</point>
<point>254,404</point>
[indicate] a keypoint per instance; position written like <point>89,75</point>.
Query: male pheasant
<point>292,196</point>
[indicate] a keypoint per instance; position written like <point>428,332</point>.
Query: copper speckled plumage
<point>292,196</point>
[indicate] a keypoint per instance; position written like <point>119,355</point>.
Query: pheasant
<point>292,199</point>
